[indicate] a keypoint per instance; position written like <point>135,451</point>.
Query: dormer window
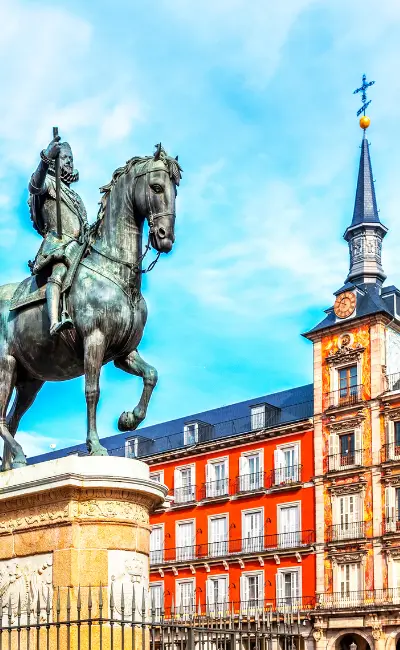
<point>131,447</point>
<point>257,417</point>
<point>191,433</point>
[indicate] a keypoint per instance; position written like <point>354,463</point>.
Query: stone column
<point>73,531</point>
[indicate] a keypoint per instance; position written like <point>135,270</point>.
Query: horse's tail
<point>6,293</point>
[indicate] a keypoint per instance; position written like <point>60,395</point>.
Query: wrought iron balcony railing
<point>345,461</point>
<point>251,482</point>
<point>344,396</point>
<point>225,548</point>
<point>391,451</point>
<point>393,381</point>
<point>367,599</point>
<point>391,524</point>
<point>186,494</point>
<point>215,489</point>
<point>284,476</point>
<point>353,530</point>
<point>226,609</point>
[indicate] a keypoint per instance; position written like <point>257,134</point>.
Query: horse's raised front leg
<point>135,365</point>
<point>94,347</point>
<point>8,375</point>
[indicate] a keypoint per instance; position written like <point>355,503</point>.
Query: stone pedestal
<point>73,533</point>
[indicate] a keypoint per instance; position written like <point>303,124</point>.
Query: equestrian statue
<point>82,306</point>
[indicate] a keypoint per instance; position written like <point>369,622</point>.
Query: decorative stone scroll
<point>348,488</point>
<point>348,558</point>
<point>392,413</point>
<point>27,578</point>
<point>129,577</point>
<point>337,426</point>
<point>345,355</point>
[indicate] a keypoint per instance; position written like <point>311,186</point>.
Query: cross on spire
<point>363,89</point>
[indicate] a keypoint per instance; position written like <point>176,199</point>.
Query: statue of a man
<point>58,249</point>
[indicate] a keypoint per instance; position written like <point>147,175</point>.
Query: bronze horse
<point>105,303</point>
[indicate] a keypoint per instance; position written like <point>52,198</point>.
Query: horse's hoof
<point>124,422</point>
<point>97,450</point>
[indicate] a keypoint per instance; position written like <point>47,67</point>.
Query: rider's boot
<point>53,294</point>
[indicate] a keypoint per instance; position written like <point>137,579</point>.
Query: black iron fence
<point>367,599</point>
<point>214,489</point>
<point>285,475</point>
<point>391,524</point>
<point>86,619</point>
<point>393,381</point>
<point>391,451</point>
<point>251,544</point>
<point>344,461</point>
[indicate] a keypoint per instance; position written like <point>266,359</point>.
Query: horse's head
<point>155,195</point>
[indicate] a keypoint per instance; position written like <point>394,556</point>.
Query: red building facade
<point>239,533</point>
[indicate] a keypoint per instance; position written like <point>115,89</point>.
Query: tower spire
<point>366,232</point>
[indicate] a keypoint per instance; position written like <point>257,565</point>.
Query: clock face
<point>345,304</point>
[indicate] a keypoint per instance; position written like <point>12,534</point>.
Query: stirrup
<point>65,324</point>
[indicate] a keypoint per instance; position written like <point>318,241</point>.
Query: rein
<point>151,217</point>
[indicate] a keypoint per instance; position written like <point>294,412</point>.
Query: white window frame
<point>135,441</point>
<point>257,411</point>
<point>162,549</point>
<point>349,530</point>
<point>160,609</point>
<point>287,540</point>
<point>186,429</point>
<point>213,489</point>
<point>216,609</point>
<point>391,440</point>
<point>334,457</point>
<point>298,598</point>
<point>250,547</point>
<point>244,604</point>
<point>160,473</point>
<point>218,549</point>
<point>334,375</point>
<point>178,583</point>
<point>186,555</point>
<point>280,474</point>
<point>354,595</point>
<point>184,496</point>
<point>246,484</point>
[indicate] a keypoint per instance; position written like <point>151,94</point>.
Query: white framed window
<point>184,484</point>
<point>289,525</point>
<point>345,450</point>
<point>347,583</point>
<point>131,447</point>
<point>257,417</point>
<point>217,595</point>
<point>191,433</point>
<point>185,540</point>
<point>288,588</point>
<point>251,471</point>
<point>157,544</point>
<point>348,517</point>
<point>185,594</point>
<point>252,530</point>
<point>393,440</point>
<point>218,535</point>
<point>157,477</point>
<point>252,591</point>
<point>392,509</point>
<point>396,580</point>
<point>156,599</point>
<point>217,479</point>
<point>286,464</point>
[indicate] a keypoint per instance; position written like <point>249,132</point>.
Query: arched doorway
<point>347,641</point>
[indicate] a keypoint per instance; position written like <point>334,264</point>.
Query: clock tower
<point>357,437</point>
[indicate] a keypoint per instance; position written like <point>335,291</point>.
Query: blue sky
<point>256,98</point>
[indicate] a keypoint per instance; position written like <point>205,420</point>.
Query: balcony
<point>184,495</point>
<point>346,396</point>
<point>390,452</point>
<point>215,489</point>
<point>391,525</point>
<point>346,531</point>
<point>368,599</point>
<point>272,608</point>
<point>282,477</point>
<point>393,382</point>
<point>225,548</point>
<point>251,482</point>
<point>342,462</point>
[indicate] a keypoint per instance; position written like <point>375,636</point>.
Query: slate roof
<point>283,407</point>
<point>365,207</point>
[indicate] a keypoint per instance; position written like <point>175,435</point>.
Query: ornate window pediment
<point>347,424</point>
<point>345,355</point>
<point>392,414</point>
<point>348,558</point>
<point>347,488</point>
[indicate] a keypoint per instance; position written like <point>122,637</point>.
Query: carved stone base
<point>76,522</point>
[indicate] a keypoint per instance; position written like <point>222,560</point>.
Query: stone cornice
<point>392,413</point>
<point>352,422</point>
<point>347,558</point>
<point>347,488</point>
<point>345,354</point>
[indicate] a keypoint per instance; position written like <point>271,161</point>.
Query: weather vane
<point>364,120</point>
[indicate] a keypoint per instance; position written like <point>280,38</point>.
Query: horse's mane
<point>174,170</point>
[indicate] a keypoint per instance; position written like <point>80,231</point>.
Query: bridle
<point>151,218</point>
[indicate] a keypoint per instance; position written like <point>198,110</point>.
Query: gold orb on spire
<point>364,122</point>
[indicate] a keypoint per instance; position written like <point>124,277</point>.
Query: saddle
<point>33,289</point>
